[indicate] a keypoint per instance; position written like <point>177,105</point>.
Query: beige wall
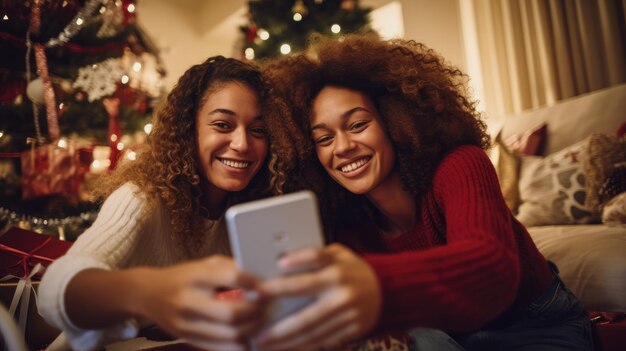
<point>189,31</point>
<point>436,24</point>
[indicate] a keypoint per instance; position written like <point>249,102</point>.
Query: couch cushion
<point>573,119</point>
<point>591,261</point>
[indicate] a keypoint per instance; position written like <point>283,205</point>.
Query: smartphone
<point>262,231</point>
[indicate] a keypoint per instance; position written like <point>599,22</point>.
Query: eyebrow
<point>230,113</point>
<point>343,116</point>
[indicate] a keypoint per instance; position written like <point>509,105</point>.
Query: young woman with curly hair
<point>388,139</point>
<point>158,249</point>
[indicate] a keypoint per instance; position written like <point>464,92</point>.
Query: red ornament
<point>251,33</point>
<point>112,106</point>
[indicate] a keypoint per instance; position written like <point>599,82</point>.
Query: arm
<point>471,279</point>
<point>92,295</point>
<point>458,286</point>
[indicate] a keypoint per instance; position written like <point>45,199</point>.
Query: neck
<point>396,205</point>
<point>215,200</point>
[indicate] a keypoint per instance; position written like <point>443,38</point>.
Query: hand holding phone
<point>262,231</point>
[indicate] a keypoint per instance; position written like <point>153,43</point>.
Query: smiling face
<point>231,138</point>
<point>350,140</point>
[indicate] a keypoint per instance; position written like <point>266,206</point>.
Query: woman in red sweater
<point>387,138</point>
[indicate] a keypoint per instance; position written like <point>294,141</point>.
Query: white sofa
<point>591,257</point>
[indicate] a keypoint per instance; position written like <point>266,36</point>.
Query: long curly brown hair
<point>168,169</point>
<point>422,100</point>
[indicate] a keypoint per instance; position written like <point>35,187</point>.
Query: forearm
<point>97,298</point>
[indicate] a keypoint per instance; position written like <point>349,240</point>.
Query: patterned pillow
<point>552,188</point>
<point>604,151</point>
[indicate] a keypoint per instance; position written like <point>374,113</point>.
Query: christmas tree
<point>278,27</point>
<point>78,80</point>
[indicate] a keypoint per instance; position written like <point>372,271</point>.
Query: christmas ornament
<point>251,33</point>
<point>348,5</point>
<point>112,106</point>
<point>34,91</point>
<point>299,7</point>
<point>99,80</point>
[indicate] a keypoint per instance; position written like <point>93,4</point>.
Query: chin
<point>358,190</point>
<point>233,187</point>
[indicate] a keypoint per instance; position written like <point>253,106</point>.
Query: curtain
<point>533,53</point>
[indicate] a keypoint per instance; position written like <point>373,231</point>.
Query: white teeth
<point>354,165</point>
<point>234,164</point>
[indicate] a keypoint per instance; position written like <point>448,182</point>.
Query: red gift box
<point>23,254</point>
<point>21,250</point>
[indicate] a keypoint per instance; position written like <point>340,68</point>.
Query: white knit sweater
<point>119,238</point>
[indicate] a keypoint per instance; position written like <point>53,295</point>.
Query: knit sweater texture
<point>122,236</point>
<point>467,262</point>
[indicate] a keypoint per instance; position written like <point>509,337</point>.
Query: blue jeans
<point>555,321</point>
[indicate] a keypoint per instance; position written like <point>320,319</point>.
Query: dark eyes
<point>355,128</point>
<point>358,125</point>
<point>259,131</point>
<point>322,140</point>
<point>221,125</point>
<point>225,127</point>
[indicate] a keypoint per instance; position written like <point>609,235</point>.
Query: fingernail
<point>252,295</point>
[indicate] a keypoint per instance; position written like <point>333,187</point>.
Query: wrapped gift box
<point>38,333</point>
<point>20,251</point>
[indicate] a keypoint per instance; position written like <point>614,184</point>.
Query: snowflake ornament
<point>99,80</point>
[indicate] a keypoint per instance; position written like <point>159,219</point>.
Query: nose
<point>343,144</point>
<point>239,140</point>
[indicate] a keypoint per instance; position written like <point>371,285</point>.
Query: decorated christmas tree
<point>78,80</point>
<point>279,27</point>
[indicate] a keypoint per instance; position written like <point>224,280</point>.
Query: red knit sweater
<point>467,263</point>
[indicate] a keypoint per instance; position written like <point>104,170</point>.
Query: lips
<point>237,164</point>
<point>352,166</point>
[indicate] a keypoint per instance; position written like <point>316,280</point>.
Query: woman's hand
<point>181,300</point>
<point>348,300</point>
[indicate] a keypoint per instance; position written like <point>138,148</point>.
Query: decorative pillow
<point>614,211</point>
<point>603,152</point>
<point>552,188</point>
<point>506,164</point>
<point>529,143</point>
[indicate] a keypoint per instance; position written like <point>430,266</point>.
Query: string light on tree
<point>263,34</point>
<point>292,22</point>
<point>335,28</point>
<point>285,49</point>
<point>249,53</point>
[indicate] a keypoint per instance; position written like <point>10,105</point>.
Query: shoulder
<point>466,165</point>
<point>463,159</point>
<point>127,200</point>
